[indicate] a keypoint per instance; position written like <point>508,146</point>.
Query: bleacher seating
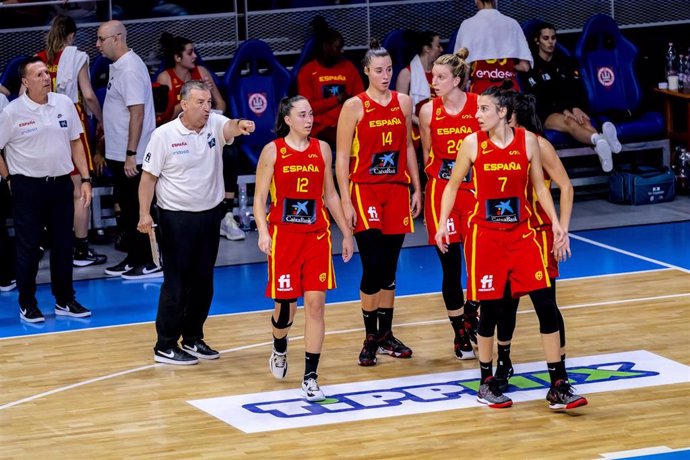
<point>254,84</point>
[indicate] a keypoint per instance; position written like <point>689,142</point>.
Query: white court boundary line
<point>342,302</point>
<point>342,331</point>
<point>628,253</point>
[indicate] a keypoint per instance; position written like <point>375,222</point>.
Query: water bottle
<point>670,60</point>
<point>682,72</point>
<point>245,215</point>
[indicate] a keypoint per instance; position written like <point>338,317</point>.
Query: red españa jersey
<point>501,179</point>
<point>379,147</point>
<point>297,188</point>
<point>447,133</point>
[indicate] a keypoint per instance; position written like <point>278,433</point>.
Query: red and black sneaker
<point>462,346</point>
<point>471,321</point>
<point>367,357</point>
<point>389,345</point>
<point>561,397</point>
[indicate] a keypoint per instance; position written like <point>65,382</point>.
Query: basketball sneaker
<point>367,357</point>
<point>311,391</point>
<point>462,346</point>
<point>229,228</point>
<point>174,356</point>
<point>390,345</point>
<point>278,364</point>
<point>561,397</point>
<point>73,309</point>
<point>31,314</point>
<point>504,371</point>
<point>490,395</point>
<point>200,349</point>
<point>88,257</point>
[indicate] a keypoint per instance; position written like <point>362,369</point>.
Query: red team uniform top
<point>539,218</point>
<point>52,68</point>
<point>379,147</point>
<point>321,86</point>
<point>297,189</point>
<point>447,134</point>
<point>492,72</point>
<point>501,180</point>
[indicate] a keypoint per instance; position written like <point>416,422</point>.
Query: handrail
<point>44,3</point>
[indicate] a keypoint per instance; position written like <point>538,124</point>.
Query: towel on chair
<point>67,79</point>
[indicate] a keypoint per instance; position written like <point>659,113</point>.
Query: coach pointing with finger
<point>183,166</point>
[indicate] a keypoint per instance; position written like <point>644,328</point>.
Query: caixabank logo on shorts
<point>347,402</point>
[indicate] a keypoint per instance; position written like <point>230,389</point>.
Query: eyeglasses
<point>102,39</point>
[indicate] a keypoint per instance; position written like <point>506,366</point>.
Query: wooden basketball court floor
<point>94,392</point>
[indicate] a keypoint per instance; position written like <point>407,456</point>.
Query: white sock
<point>595,137</point>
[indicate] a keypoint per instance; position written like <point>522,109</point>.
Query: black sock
<point>504,353</point>
<point>370,321</point>
<point>486,369</point>
<point>81,244</point>
<point>227,205</point>
<point>557,372</point>
<point>457,322</point>
<point>280,345</point>
<point>311,363</point>
<point>471,308</point>
<point>385,316</point>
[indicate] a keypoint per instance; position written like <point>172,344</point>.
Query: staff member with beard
<point>183,164</point>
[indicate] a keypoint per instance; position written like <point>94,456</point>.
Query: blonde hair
<point>459,67</point>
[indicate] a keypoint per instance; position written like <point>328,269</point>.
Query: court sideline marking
<point>627,253</point>
<point>343,331</point>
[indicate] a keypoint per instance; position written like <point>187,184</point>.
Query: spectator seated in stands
<point>180,67</point>
<point>328,80</point>
<point>555,82</point>
<point>415,79</point>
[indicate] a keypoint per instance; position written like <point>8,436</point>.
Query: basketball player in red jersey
<point>525,116</point>
<point>444,122</point>
<point>503,255</point>
<point>295,234</point>
<point>376,163</point>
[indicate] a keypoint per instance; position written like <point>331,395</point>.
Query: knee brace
<point>546,309</point>
<point>370,254</point>
<point>283,314</point>
<point>507,319</point>
<point>491,310</point>
<point>389,260</point>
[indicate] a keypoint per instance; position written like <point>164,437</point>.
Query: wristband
<point>7,178</point>
<point>131,153</point>
<point>85,180</point>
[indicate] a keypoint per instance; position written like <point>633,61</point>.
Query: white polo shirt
<point>3,102</point>
<point>189,165</point>
<point>129,84</point>
<point>36,137</point>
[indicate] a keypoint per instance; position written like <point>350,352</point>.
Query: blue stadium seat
<point>254,84</point>
<point>401,48</point>
<point>607,61</point>
<point>10,76</point>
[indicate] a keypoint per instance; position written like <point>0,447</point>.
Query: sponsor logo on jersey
<point>495,74</point>
<point>430,393</point>
<point>384,163</point>
<point>63,123</point>
<point>299,211</point>
<point>503,210</point>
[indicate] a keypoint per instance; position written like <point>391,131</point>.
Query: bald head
<point>111,40</point>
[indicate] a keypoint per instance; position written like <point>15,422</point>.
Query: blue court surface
<point>240,288</point>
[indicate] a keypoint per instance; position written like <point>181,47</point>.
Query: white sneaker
<point>230,229</point>
<point>608,129</point>
<point>311,390</point>
<point>278,364</point>
<point>604,151</point>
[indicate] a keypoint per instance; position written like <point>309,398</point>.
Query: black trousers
<point>42,203</point>
<point>7,247</point>
<point>189,247</point>
<point>127,195</point>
